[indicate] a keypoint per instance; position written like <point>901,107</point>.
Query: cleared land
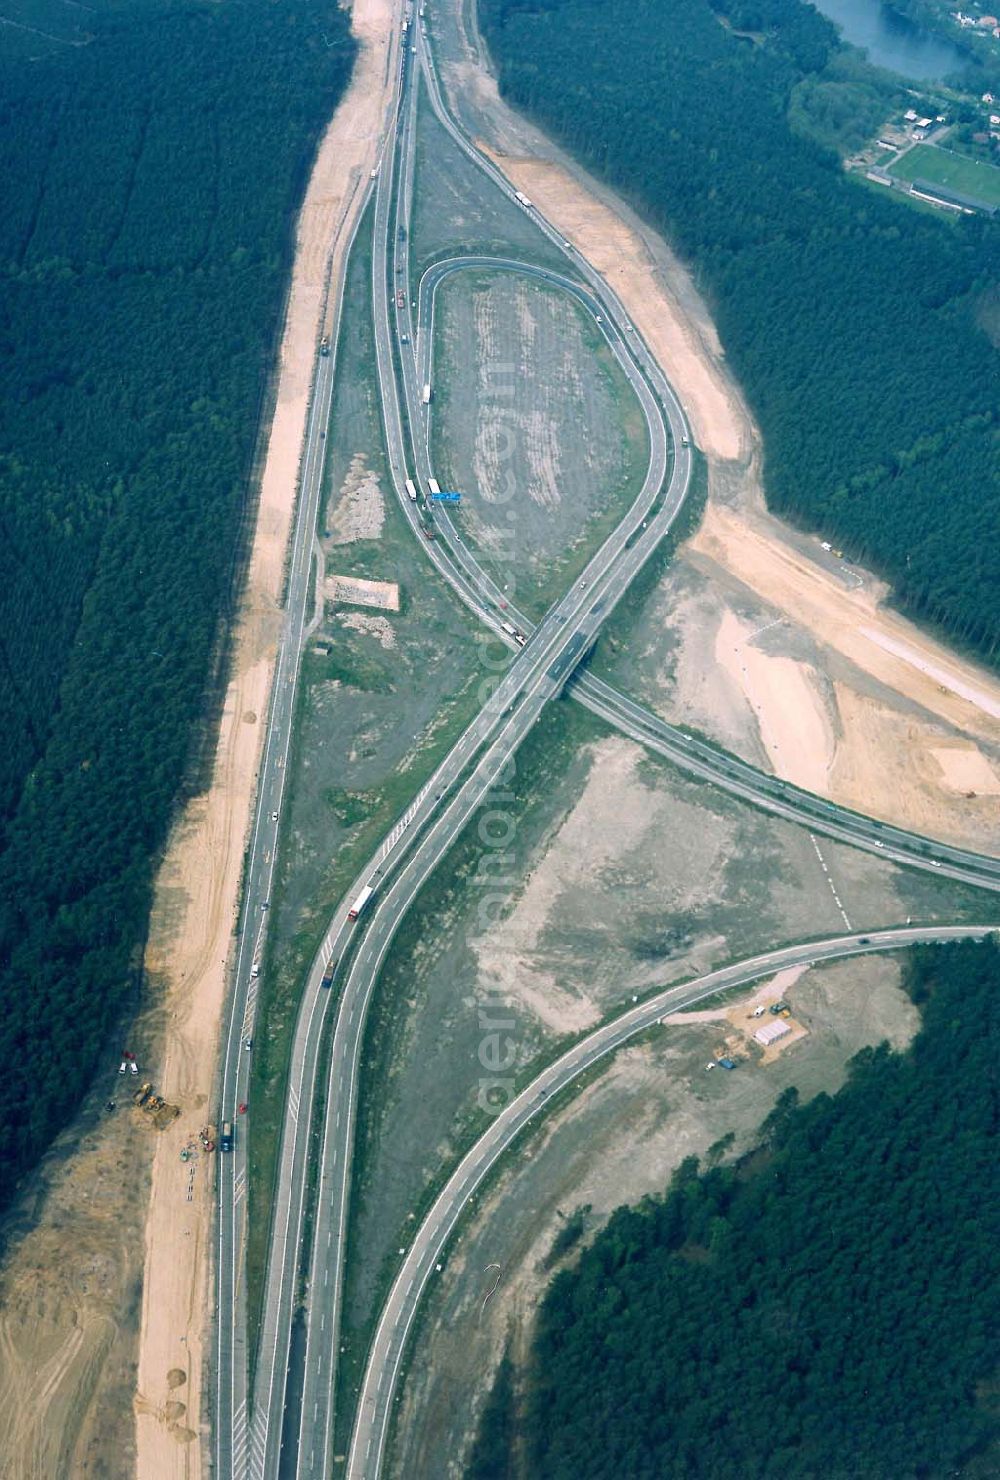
<point>457,209</point>
<point>77,1298</point>
<point>610,875</point>
<point>622,1137</point>
<point>882,710</point>
<point>535,425</point>
<point>193,921</point>
<point>958,172</point>
<point>383,695</point>
<point>788,658</point>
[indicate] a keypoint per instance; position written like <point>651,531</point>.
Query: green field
<point>941,167</point>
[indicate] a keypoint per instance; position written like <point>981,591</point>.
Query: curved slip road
<point>424,1259</point>
<point>409,854</point>
<point>562,638</point>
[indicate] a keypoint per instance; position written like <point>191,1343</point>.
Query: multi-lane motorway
<point>424,834</point>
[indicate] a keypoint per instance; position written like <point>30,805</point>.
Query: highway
<point>426,1256</point>
<point>406,858</point>
<point>231,1354</point>
<point>432,822</point>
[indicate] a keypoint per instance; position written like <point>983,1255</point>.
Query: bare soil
<point>899,694</point>
<point>191,935</point>
<point>97,1284</point>
<point>620,1139</point>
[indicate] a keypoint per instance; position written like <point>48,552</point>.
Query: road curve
<point>415,846</point>
<point>425,1255</point>
<point>423,834</point>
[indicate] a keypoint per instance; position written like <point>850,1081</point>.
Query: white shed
<point>771,1032</point>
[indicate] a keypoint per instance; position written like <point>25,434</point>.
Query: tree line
<point>828,1305</point>
<point>854,323</point>
<point>152,177</point>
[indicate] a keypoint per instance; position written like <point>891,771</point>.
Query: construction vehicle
<point>779,1007</point>
<point>155,1106</point>
<point>328,974</point>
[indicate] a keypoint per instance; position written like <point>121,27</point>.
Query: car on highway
<point>248,1044</point>
<point>274,816</point>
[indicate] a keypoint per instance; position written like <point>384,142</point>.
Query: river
<point>893,41</point>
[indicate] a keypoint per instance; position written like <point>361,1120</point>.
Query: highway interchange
<point>418,842</point>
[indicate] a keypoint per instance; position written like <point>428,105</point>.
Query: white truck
<point>512,631</point>
<point>522,199</point>
<point>411,490</point>
<point>361,902</point>
<point>433,487</point>
<point>426,396</point>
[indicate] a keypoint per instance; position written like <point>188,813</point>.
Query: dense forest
<point>827,1306</point>
<point>152,170</point>
<point>851,320</point>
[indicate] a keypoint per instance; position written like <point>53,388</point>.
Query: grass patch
<point>341,824</point>
<point>539,551</point>
<point>971,177</point>
<point>561,732</point>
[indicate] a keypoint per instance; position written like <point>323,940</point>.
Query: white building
<point>771,1032</point>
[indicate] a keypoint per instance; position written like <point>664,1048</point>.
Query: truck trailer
<point>360,903</point>
<point>433,487</point>
<point>328,974</point>
<point>426,396</point>
<point>411,490</point>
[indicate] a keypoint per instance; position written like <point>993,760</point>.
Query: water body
<point>893,41</point>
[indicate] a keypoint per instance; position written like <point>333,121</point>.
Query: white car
<point>255,969</point>
<point>274,816</point>
<point>248,1044</point>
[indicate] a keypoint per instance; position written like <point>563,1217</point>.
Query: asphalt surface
<point>426,1258</point>
<point>407,857</point>
<point>231,1430</point>
<point>429,827</point>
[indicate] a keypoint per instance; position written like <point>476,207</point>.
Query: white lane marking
<point>833,887</point>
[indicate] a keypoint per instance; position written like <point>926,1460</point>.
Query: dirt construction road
<point>884,719</point>
<point>194,919</point>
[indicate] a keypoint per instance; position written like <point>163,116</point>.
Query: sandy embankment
<point>907,730</point>
<point>197,891</point>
